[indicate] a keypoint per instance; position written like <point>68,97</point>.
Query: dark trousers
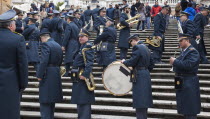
<point>157,55</point>
<point>47,110</point>
<point>67,66</point>
<point>141,113</point>
<point>88,27</point>
<point>201,50</point>
<point>84,111</point>
<point>190,116</point>
<point>123,53</point>
<point>141,24</point>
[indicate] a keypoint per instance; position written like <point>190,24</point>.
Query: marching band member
<point>186,79</point>
<point>106,54</point>
<point>100,20</point>
<point>125,32</point>
<point>70,42</point>
<point>50,87</point>
<point>200,22</point>
<point>159,30</point>
<point>142,64</point>
<point>80,93</point>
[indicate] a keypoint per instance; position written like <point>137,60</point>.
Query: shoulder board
<point>18,33</point>
<point>192,49</point>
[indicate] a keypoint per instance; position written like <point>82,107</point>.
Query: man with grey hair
<point>13,67</point>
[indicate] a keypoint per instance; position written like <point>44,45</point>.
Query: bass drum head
<point>116,82</point>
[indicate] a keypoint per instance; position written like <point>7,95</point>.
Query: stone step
<point>105,93</point>
<point>58,115</point>
<point>115,101</point>
<point>117,109</point>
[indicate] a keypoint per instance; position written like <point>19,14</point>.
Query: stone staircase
<point>111,107</point>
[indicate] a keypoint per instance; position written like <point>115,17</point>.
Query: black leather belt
<point>52,65</point>
<point>186,74</point>
<point>141,68</point>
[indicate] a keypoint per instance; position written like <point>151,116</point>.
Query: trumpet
<point>131,20</point>
<point>155,42</point>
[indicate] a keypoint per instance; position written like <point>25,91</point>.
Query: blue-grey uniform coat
<point>109,35</point>
<point>200,22</point>
<point>188,27</point>
<point>71,42</point>
<point>80,92</point>
<point>13,73</point>
<point>99,20</point>
<point>159,30</point>
<point>124,33</point>
<point>50,87</point>
<point>45,25</point>
<point>19,25</point>
<point>56,29</point>
<point>142,90</point>
<point>31,33</point>
<point>188,98</point>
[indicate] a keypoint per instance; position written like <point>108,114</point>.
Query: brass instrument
<point>62,71</point>
<point>131,20</point>
<point>89,81</point>
<point>155,42</point>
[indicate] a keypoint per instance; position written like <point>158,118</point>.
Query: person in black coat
<point>142,64</point>
<point>106,54</point>
<point>31,34</point>
<point>188,27</point>
<point>159,30</point>
<point>124,33</point>
<point>186,79</point>
<point>100,20</point>
<point>19,23</point>
<point>26,20</point>
<point>36,16</point>
<point>70,42</point>
<point>50,86</point>
<point>88,14</point>
<point>56,27</point>
<point>13,67</point>
<point>200,22</point>
<point>80,93</point>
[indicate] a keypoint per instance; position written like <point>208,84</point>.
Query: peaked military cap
<point>56,12</point>
<point>28,13</point>
<point>43,33</point>
<point>133,37</point>
<point>126,6</point>
<point>184,13</point>
<point>20,14</point>
<point>97,5</point>
<point>77,12</point>
<point>206,9</point>
<point>165,7</point>
<point>34,12</point>
<point>102,9</point>
<point>70,16</point>
<point>32,19</point>
<point>49,14</point>
<point>8,16</point>
<point>184,37</point>
<point>84,32</point>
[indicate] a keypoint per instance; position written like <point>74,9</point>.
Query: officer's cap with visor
<point>166,7</point>
<point>84,32</point>
<point>184,14</point>
<point>183,37</point>
<point>32,19</point>
<point>44,33</point>
<point>135,36</point>
<point>8,16</point>
<point>206,9</point>
<point>126,6</point>
<point>103,9</point>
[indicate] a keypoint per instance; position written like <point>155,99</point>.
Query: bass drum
<point>116,79</point>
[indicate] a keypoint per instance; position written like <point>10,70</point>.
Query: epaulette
<point>192,49</point>
<point>88,45</point>
<point>18,33</point>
